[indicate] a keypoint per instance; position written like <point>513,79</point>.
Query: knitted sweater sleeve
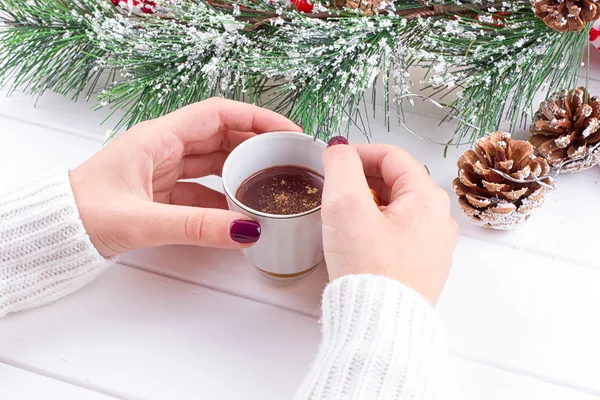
<point>45,252</point>
<point>381,341</point>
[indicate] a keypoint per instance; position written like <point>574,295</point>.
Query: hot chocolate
<point>282,190</point>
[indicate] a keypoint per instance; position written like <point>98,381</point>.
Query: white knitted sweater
<point>381,340</point>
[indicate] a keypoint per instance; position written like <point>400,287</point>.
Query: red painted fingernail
<point>337,140</point>
<point>244,231</point>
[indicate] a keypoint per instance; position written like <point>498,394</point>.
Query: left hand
<point>128,194</point>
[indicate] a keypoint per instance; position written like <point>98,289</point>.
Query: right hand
<point>410,240</point>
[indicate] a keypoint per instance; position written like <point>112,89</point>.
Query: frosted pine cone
<point>566,15</point>
<point>566,130</point>
<point>491,200</point>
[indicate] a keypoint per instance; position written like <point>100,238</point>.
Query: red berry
<point>337,140</point>
<point>146,6</point>
<point>303,5</point>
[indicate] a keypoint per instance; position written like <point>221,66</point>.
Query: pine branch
<point>46,47</point>
<point>316,68</point>
<point>499,78</point>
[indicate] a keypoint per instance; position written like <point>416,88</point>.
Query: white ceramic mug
<point>290,246</point>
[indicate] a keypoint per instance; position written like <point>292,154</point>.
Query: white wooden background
<point>520,308</point>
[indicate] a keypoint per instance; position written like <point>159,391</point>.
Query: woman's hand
<point>410,240</point>
<point>128,194</point>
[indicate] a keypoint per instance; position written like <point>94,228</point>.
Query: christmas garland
<point>316,62</point>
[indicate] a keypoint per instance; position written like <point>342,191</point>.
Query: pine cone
<point>491,200</point>
<point>566,15</point>
<point>566,129</point>
<point>367,7</point>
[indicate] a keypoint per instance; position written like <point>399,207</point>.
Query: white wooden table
<point>520,308</point>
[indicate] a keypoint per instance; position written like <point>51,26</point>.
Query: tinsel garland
<point>316,68</point>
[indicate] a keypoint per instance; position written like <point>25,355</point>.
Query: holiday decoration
<point>146,6</point>
<point>595,40</point>
<point>366,7</point>
<point>595,34</point>
<point>566,130</point>
<point>317,62</point>
<point>566,15</point>
<point>304,6</point>
<point>501,182</point>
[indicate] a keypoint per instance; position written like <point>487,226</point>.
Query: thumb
<point>344,176</point>
<point>170,224</point>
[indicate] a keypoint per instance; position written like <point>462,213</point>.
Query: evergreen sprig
<point>498,72</point>
<point>316,68</point>
<point>46,46</point>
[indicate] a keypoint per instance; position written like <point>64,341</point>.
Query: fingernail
<point>337,140</point>
<point>244,231</point>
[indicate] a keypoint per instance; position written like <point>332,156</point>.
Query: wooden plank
<point>18,384</point>
<point>227,271</point>
<point>469,380</point>
<point>58,112</point>
<point>504,306</point>
<point>142,336</point>
<point>26,150</point>
<point>524,312</point>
